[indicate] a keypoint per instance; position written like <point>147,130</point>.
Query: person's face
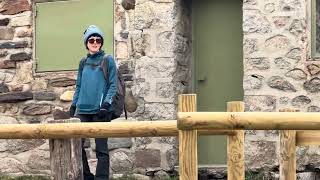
<point>94,44</point>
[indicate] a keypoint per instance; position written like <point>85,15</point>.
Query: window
<point>59,28</point>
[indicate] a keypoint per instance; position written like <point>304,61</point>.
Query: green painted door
<point>217,31</point>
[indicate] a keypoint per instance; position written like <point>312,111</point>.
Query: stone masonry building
<point>153,46</point>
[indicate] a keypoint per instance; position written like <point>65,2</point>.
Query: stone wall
<point>153,49</point>
<point>278,73</point>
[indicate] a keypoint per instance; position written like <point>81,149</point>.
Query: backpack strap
<point>105,67</point>
<point>125,110</point>
<point>82,63</point>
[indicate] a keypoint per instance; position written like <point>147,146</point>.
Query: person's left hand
<point>103,112</point>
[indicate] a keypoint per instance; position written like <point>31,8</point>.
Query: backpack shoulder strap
<point>82,63</point>
<point>105,66</point>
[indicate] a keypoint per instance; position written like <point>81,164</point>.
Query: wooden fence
<point>65,142</point>
<point>296,129</point>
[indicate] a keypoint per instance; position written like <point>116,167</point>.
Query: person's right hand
<point>72,110</point>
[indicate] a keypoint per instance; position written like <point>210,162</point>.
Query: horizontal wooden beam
<point>307,138</point>
<point>96,130</point>
<point>249,120</point>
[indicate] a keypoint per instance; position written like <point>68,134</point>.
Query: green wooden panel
<point>218,59</point>
<point>60,27</point>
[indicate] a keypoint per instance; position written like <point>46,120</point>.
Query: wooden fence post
<point>188,157</point>
<point>235,149</point>
<point>66,156</point>
<point>288,152</point>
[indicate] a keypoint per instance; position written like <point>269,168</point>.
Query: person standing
<point>93,97</point>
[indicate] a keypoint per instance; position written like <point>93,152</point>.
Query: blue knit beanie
<point>92,30</point>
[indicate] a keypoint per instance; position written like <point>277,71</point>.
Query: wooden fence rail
<point>297,129</point>
<point>188,127</point>
<point>249,120</point>
<point>97,130</point>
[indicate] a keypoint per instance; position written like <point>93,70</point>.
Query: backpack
<point>118,101</point>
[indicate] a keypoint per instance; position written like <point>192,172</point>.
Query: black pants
<point>102,152</point>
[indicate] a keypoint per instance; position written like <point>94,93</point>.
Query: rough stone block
<point>6,33</point>
<point>301,101</point>
<point>4,88</point>
<point>313,109</point>
<point>172,156</point>
<point>313,85</point>
<point>121,161</point>
<point>252,82</point>
<point>12,165</point>
<point>280,21</point>
<point>122,50</point>
<point>22,145</point>
<point>260,103</point>
<point>156,111</point>
<point>23,32</point>
<point>261,154</point>
<point>154,68</point>
<point>147,158</point>
<point>152,15</point>
<point>160,175</point>
<point>313,69</point>
<point>39,160</point>
<point>250,46</point>
<point>165,90</point>
<point>166,44</point>
<point>44,96</point>
<point>141,44</point>
<point>7,64</point>
<point>255,22</point>
<point>13,97</point>
<point>306,176</point>
<point>280,83</point>
<point>37,109</point>
<point>295,53</point>
<point>307,158</point>
<point>277,43</point>
<point>11,7</point>
<point>290,5</point>
<point>8,120</point>
<point>282,63</point>
<point>114,143</point>
<point>24,73</point>
<point>4,22</point>
<point>58,114</point>
<point>297,74</point>
<point>62,82</point>
<point>14,45</point>
<point>3,54</point>
<point>20,56</point>
<point>261,63</point>
<point>67,96</point>
<point>297,27</point>
<point>23,19</point>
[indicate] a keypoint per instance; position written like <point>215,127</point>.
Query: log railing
<point>297,129</point>
<point>97,130</point>
<point>188,127</point>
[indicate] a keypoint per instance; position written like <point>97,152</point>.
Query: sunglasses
<point>97,40</point>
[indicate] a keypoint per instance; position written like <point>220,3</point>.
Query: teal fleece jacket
<point>92,89</point>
